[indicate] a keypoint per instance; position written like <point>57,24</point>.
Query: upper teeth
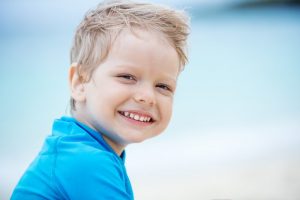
<point>137,117</point>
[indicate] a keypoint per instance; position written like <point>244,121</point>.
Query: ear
<point>75,84</point>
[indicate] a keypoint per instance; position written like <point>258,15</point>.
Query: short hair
<point>100,27</point>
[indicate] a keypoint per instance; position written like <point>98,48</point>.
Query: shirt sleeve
<point>90,175</point>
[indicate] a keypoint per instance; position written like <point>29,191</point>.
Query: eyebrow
<point>174,81</point>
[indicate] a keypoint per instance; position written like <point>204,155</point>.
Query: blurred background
<point>235,131</point>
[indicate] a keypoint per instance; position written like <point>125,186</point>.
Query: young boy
<point>126,58</point>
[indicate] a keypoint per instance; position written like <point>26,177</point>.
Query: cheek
<point>116,90</point>
<point>108,92</point>
<point>106,100</point>
<point>166,109</point>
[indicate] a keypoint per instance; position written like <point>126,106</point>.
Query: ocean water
<point>235,131</point>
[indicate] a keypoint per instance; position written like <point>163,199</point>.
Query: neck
<point>118,149</point>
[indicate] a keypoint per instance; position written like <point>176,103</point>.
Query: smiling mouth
<point>137,117</point>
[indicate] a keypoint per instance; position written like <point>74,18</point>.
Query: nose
<point>145,95</point>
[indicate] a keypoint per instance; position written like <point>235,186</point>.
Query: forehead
<point>144,49</point>
<point>143,45</point>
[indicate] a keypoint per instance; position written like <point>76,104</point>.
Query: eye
<point>164,87</point>
<point>128,77</point>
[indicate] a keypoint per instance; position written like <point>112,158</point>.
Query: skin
<point>139,77</point>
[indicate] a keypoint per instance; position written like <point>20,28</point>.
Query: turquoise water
<point>244,69</point>
<point>243,80</point>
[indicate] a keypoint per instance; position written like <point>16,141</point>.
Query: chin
<point>136,139</point>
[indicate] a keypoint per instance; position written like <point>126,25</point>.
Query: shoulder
<point>82,153</point>
<point>82,157</point>
<point>76,151</point>
<point>94,171</point>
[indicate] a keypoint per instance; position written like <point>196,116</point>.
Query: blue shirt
<point>75,163</point>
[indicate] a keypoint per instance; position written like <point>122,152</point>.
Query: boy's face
<point>130,95</point>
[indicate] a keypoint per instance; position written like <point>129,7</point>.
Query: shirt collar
<point>93,133</point>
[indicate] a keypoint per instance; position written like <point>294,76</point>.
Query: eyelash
<point>127,77</point>
<point>130,77</point>
<point>164,87</point>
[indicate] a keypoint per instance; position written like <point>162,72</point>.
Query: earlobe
<point>75,84</point>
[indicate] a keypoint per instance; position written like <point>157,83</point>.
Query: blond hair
<point>100,27</point>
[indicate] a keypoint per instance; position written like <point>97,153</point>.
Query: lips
<point>137,116</point>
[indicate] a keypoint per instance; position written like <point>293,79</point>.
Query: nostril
<point>144,98</point>
<point>141,100</point>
